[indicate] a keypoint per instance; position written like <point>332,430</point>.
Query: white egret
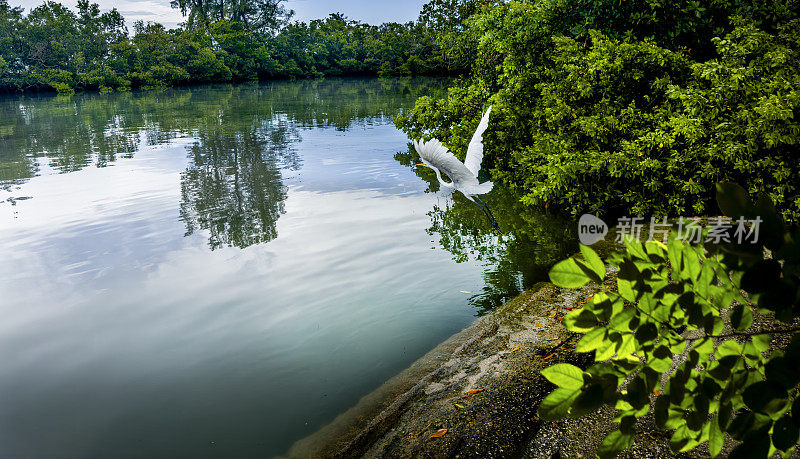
<point>463,176</point>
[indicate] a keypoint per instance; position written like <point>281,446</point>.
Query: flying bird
<point>463,176</point>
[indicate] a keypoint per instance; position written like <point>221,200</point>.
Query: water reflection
<point>236,264</point>
<point>531,243</point>
<point>234,187</point>
<point>242,140</point>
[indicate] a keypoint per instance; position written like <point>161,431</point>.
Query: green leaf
<point>627,346</point>
<point>591,341</point>
<point>796,411</point>
<point>692,264</point>
<point>590,400</point>
<point>646,333</point>
<point>622,321</point>
<point>729,347</point>
<point>564,375</point>
<point>765,396</point>
<point>557,404</point>
<point>785,434</point>
<point>660,365</point>
<point>568,274</point>
<point>778,370</point>
<point>614,442</point>
<point>594,261</point>
<point>625,288</point>
<point>674,251</point>
<point>715,437</point>
<point>761,342</point>
<point>704,347</point>
<point>683,439</point>
<point>580,321</point>
<point>741,317</point>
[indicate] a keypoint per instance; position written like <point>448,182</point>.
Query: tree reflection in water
<point>531,243</point>
<point>242,139</point>
<point>234,187</point>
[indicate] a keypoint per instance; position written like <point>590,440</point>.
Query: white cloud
<point>153,10</point>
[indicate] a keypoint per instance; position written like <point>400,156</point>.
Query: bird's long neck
<point>442,182</point>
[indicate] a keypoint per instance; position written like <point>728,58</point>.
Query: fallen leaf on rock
<point>439,433</point>
<point>538,324</point>
<point>475,391</point>
<point>549,356</point>
<point>459,406</point>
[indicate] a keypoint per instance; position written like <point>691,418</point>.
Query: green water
<point>219,271</point>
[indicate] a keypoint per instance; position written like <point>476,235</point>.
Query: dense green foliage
<point>631,107</point>
<point>54,48</point>
<point>679,339</point>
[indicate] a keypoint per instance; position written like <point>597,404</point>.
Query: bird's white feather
<point>463,176</point>
<point>437,156</point>
<point>475,149</point>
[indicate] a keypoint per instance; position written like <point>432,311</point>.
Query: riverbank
<point>483,386</point>
<point>476,394</point>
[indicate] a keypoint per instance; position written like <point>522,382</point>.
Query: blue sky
<point>370,11</point>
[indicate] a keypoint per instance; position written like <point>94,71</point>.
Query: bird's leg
<point>488,213</point>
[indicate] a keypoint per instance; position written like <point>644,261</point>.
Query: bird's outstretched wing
<point>475,149</point>
<point>434,154</point>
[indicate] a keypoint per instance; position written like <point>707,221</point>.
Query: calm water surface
<point>219,271</point>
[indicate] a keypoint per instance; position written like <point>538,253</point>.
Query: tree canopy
<point>55,48</point>
<point>633,107</point>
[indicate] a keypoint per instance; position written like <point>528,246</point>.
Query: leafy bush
<point>678,339</point>
<point>634,117</point>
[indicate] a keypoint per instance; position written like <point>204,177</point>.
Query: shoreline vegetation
<point>603,107</point>
<point>55,48</point>
<point>599,106</point>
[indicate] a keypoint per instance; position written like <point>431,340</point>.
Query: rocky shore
<point>482,385</point>
<point>476,394</point>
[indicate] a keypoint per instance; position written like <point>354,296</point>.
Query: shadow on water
<point>531,243</point>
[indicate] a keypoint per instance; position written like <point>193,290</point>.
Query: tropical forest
<point>506,228</point>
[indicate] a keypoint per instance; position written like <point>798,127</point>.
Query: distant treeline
<point>53,47</point>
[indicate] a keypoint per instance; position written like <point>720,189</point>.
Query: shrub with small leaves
<point>678,338</point>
